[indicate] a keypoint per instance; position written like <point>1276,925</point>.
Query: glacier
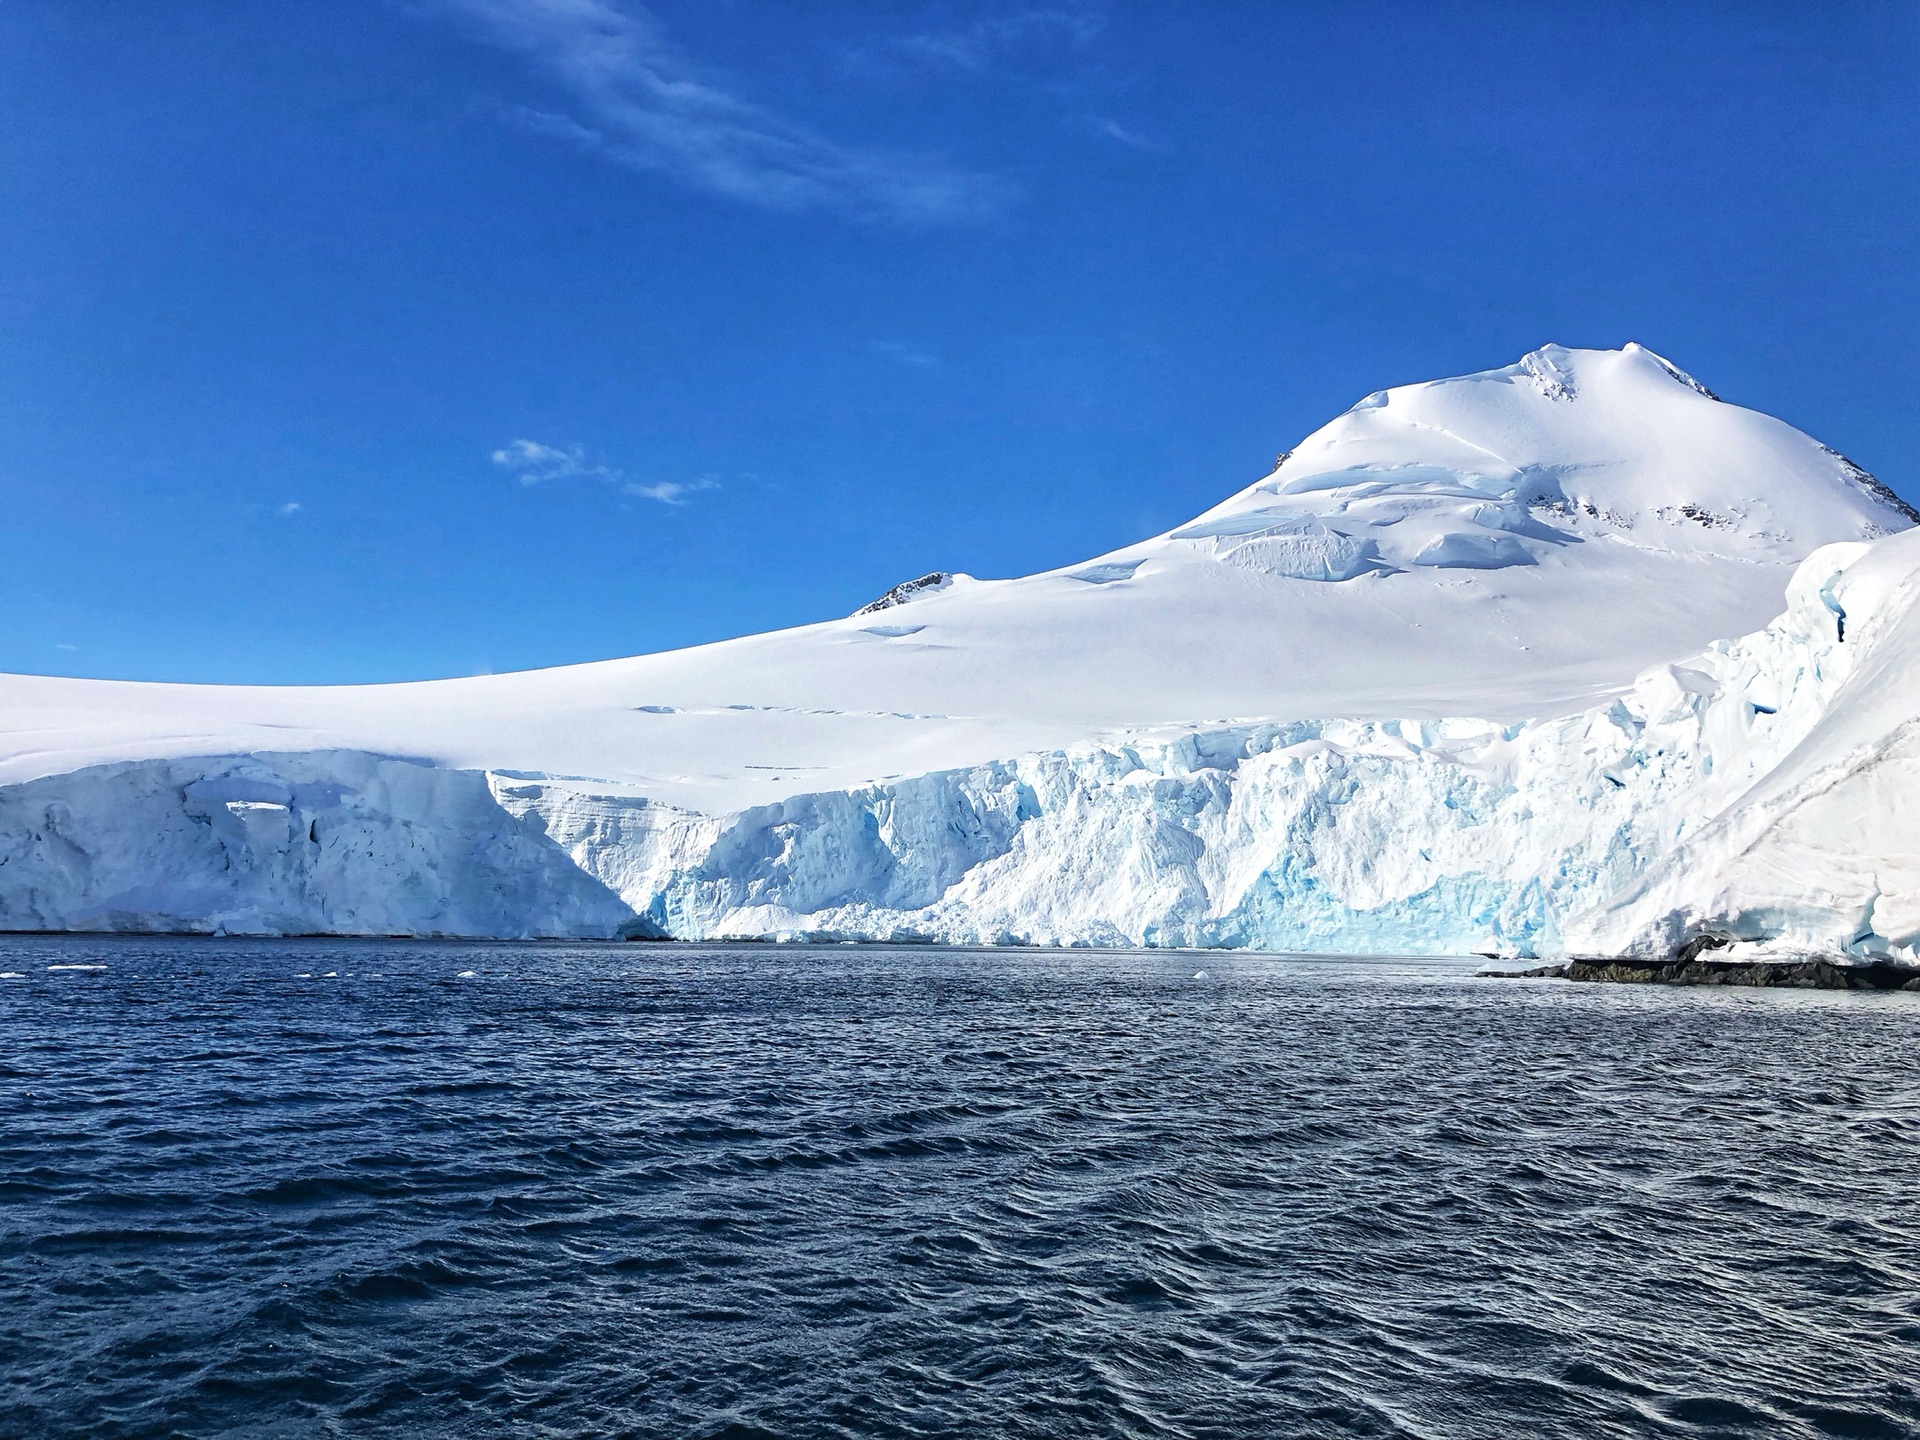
<point>1566,658</point>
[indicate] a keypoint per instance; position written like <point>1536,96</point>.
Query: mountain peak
<point>1562,449</point>
<point>1555,369</point>
<point>1673,371</point>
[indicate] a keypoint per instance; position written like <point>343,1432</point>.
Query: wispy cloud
<point>639,102</point>
<point>532,463</point>
<point>671,492</point>
<point>906,354</point>
<point>1133,139</point>
<point>979,45</point>
<point>292,507</point>
<point>535,464</point>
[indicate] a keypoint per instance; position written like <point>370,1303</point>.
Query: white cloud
<point>535,464</point>
<point>671,492</point>
<point>292,507</point>
<point>639,102</point>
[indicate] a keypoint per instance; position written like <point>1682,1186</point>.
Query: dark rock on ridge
<point>1874,486</point>
<point>1687,969</point>
<point>908,590</point>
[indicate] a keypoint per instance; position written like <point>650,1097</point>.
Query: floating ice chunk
<point>464,975</point>
<point>1199,974</point>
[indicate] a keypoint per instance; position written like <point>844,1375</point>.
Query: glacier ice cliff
<point>1731,796</point>
<point>337,843</point>
<point>1820,855</point>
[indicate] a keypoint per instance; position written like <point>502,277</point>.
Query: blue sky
<point>377,340</point>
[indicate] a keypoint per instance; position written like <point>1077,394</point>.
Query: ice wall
<point>329,842</point>
<point>1822,855</point>
<point>1730,796</point>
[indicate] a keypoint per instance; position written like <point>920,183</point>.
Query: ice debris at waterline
<point>1455,677</point>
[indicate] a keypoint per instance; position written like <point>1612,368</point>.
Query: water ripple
<point>308,1187</point>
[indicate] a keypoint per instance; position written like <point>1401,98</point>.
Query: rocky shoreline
<point>1692,970</point>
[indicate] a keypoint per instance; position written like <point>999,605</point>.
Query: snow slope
<point>1237,732</point>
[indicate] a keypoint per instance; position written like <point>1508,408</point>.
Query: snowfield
<point>1569,656</point>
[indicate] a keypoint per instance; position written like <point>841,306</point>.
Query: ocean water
<point>315,1188</point>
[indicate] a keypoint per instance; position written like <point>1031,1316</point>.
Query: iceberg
<point>1570,657</point>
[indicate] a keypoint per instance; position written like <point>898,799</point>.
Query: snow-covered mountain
<point>1425,687</point>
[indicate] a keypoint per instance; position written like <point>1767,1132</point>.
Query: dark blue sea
<point>313,1188</point>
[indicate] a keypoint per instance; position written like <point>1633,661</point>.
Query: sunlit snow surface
<point>1424,688</point>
